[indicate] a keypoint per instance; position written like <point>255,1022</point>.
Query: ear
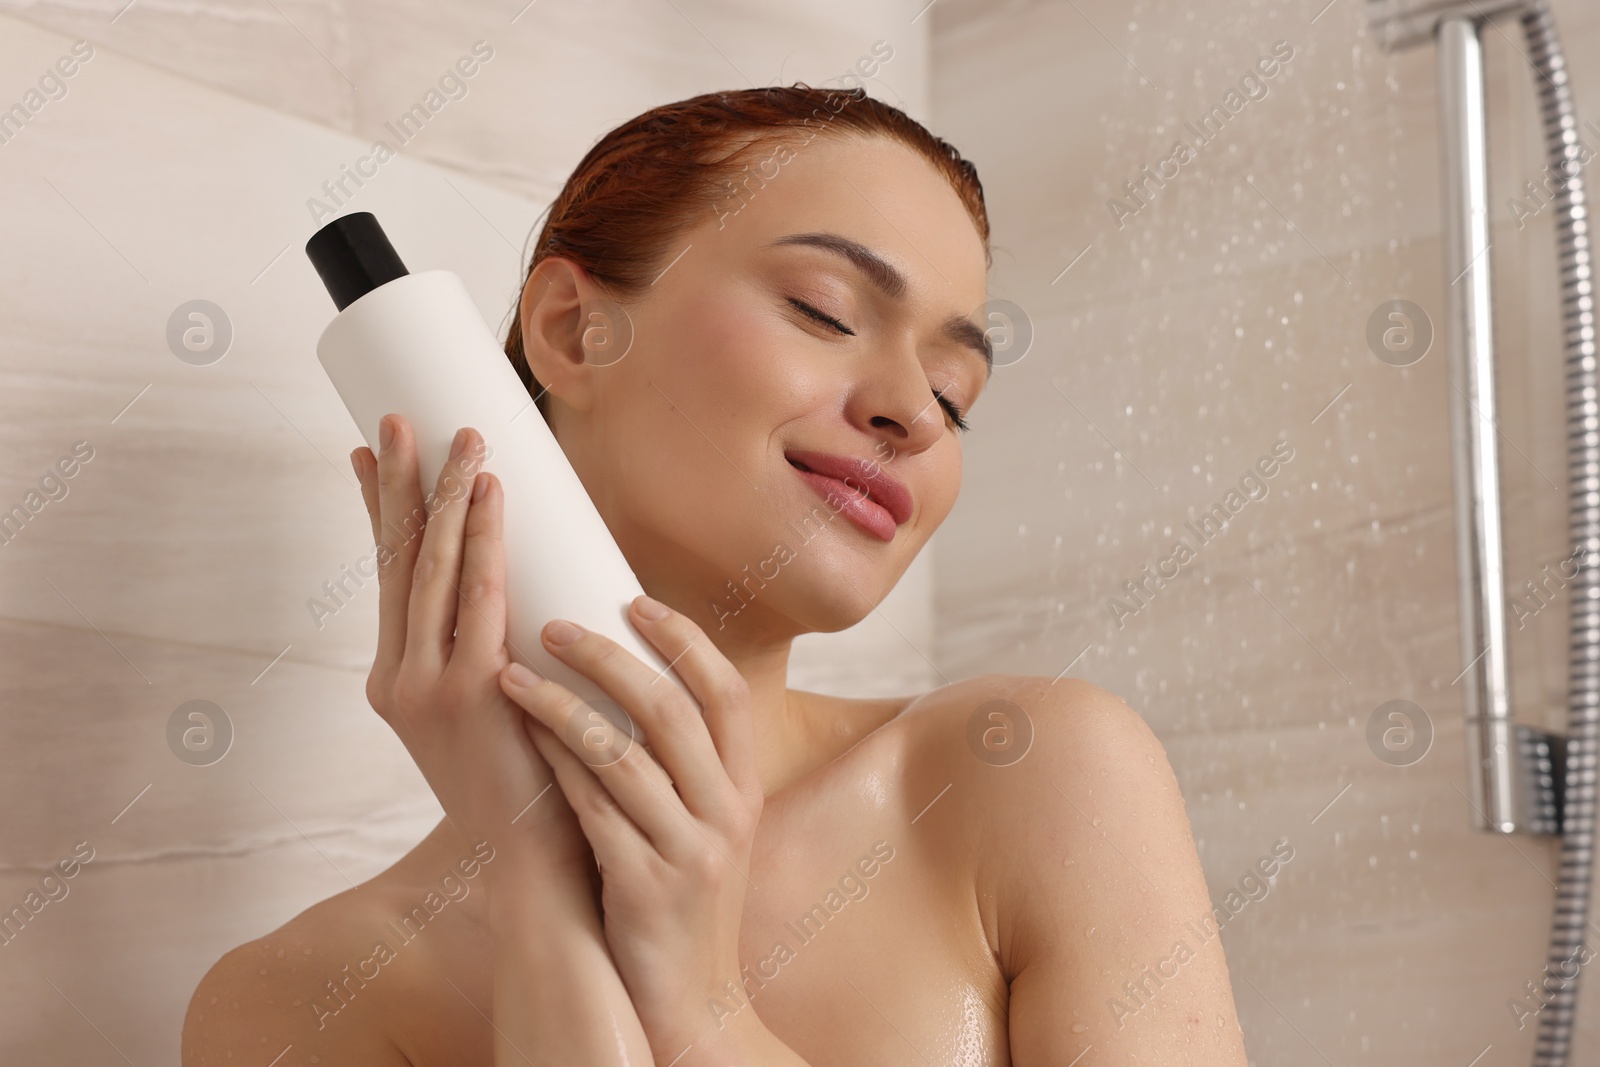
<point>558,305</point>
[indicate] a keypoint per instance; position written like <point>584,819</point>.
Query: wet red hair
<point>655,176</point>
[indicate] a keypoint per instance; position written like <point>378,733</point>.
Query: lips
<point>858,476</point>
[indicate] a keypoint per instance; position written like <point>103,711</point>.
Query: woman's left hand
<point>671,826</point>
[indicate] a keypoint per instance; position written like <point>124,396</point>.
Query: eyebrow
<point>889,281</point>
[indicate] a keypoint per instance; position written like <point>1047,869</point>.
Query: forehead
<point>871,189</point>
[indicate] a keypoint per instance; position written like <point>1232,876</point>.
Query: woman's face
<point>685,442</point>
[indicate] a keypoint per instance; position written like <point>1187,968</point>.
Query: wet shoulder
<point>992,765</point>
<point>314,987</point>
<point>995,731</point>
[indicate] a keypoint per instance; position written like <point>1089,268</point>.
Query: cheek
<point>947,482</point>
<point>746,353</point>
<point>938,485</point>
<point>700,425</point>
<point>745,377</point>
<point>704,372</point>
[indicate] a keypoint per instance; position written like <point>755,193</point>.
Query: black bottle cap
<point>354,257</point>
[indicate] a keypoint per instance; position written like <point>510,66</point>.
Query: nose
<point>893,402</point>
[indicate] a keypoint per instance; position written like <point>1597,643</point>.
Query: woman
<point>753,322</point>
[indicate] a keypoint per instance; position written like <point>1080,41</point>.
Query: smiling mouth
<point>849,500</point>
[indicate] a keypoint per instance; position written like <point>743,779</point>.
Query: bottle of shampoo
<point>415,345</point>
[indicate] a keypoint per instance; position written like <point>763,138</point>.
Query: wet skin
<point>1009,905</point>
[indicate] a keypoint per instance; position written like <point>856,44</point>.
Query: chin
<point>822,587</point>
<point>835,594</point>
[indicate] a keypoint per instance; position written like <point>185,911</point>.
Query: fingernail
<point>480,486</point>
<point>385,434</point>
<point>522,676</point>
<point>456,445</point>
<point>561,632</point>
<point>651,609</point>
<point>355,463</point>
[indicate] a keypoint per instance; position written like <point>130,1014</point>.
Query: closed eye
<point>955,412</point>
<point>806,309</point>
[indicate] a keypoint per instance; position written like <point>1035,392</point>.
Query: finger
<point>481,612</point>
<point>613,837</point>
<point>401,519</point>
<point>670,719</point>
<point>431,622</point>
<point>366,471</point>
<point>722,691</point>
<point>636,784</point>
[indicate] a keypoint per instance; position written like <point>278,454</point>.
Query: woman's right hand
<point>436,676</point>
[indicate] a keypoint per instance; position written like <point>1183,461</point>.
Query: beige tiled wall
<point>1169,354</point>
<point>217,499</point>
<point>1227,314</point>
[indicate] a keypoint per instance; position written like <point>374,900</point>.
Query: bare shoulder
<point>1093,772</point>
<point>276,994</point>
<point>1084,870</point>
<point>1010,735</point>
<point>1079,737</point>
<point>1050,777</point>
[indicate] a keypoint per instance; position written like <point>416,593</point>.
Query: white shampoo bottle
<point>415,345</point>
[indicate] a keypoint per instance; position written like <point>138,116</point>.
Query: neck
<point>794,732</point>
<point>789,727</point>
<point>783,721</point>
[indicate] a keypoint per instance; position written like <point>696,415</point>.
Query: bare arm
<point>434,680</point>
<point>558,1001</point>
<point>440,679</point>
<point>1102,901</point>
<point>671,828</point>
